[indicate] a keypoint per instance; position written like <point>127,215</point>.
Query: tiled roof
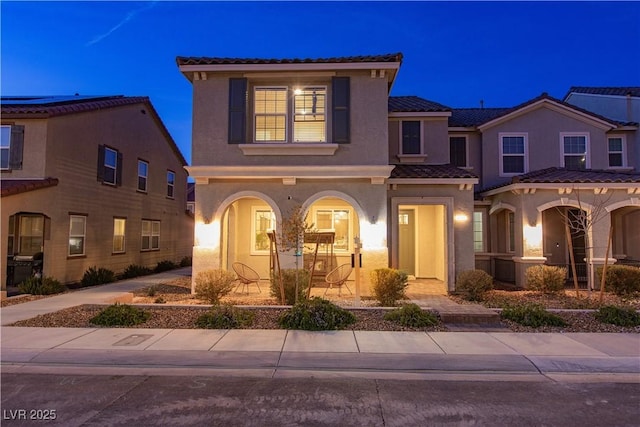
<point>430,171</point>
<point>49,106</point>
<point>191,60</point>
<point>414,104</point>
<point>17,186</point>
<point>469,117</point>
<point>557,175</point>
<point>615,91</point>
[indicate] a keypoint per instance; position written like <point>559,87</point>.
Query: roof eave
<point>560,185</point>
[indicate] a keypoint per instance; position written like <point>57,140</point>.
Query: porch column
<point>530,224</point>
<point>599,239</point>
<point>206,249</point>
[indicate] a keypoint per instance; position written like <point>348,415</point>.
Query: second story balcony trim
<point>289,149</point>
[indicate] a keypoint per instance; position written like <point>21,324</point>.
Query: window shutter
<point>237,110</point>
<point>16,147</point>
<point>100,163</point>
<point>119,170</point>
<point>340,108</point>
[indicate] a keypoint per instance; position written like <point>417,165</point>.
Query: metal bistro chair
<point>338,277</point>
<point>246,276</point>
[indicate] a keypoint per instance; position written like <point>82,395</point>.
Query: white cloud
<point>126,19</point>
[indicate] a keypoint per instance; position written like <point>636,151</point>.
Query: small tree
<point>292,231</point>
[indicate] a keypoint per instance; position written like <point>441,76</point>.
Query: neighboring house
<point>428,189</point>
<point>621,104</point>
<point>89,181</point>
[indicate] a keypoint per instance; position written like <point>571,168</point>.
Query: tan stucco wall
<point>434,139</point>
<point>543,127</point>
<point>368,118</point>
<point>34,150</point>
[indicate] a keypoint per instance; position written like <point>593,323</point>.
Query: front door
<point>407,241</point>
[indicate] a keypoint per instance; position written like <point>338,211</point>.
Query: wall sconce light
<point>461,217</point>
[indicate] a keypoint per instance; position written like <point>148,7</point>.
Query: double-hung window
<point>77,234</point>
<point>338,221</point>
<point>575,151</point>
<point>458,151</point>
<point>5,146</point>
<point>283,114</point>
<point>513,153</point>
<point>150,235</point>
<point>143,175</point>
<point>616,152</point>
<point>119,225</point>
<point>171,184</point>
<point>264,221</point>
<point>478,231</point>
<point>110,165</point>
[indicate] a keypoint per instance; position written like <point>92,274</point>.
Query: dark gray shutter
<point>119,170</point>
<point>237,111</point>
<point>340,107</point>
<point>16,147</point>
<point>101,163</point>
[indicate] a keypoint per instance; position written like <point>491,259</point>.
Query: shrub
<point>316,314</point>
<point>621,316</point>
<point>211,285</point>
<point>134,270</point>
<point>41,286</point>
<point>289,282</point>
<point>97,276</point>
<point>165,265</point>
<point>120,315</point>
<point>533,315</point>
<point>622,280</point>
<point>225,317</point>
<point>412,316</point>
<point>160,300</point>
<point>388,285</point>
<point>186,262</point>
<point>547,279</point>
<point>152,291</point>
<point>472,285</point>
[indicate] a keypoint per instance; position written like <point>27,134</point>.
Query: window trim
<point>146,177</point>
<point>83,235</point>
<point>623,152</point>
<point>525,154</point>
<point>150,235</point>
<point>254,210</point>
<point>587,147</point>
<point>124,236</point>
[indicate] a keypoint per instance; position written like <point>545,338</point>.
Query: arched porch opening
<point>625,244</point>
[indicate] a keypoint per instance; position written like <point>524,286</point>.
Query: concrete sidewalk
<point>283,353</point>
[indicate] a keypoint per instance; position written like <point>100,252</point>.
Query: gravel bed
<point>184,317</point>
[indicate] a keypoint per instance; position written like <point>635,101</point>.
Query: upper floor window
<point>143,174</point>
<point>119,235</point>
<point>411,137</point>
<point>11,141</point>
<point>109,165</point>
<point>458,151</point>
<point>77,234</point>
<point>171,183</point>
<point>273,119</point>
<point>617,152</point>
<point>513,153</point>
<point>575,151</point>
<point>5,147</point>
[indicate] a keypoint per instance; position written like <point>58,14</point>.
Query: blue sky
<point>455,53</point>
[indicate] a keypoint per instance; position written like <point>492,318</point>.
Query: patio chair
<point>338,277</point>
<point>246,276</point>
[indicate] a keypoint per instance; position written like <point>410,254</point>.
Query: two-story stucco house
<point>89,181</point>
<point>428,189</point>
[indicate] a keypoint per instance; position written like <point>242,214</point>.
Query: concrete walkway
<point>284,353</point>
